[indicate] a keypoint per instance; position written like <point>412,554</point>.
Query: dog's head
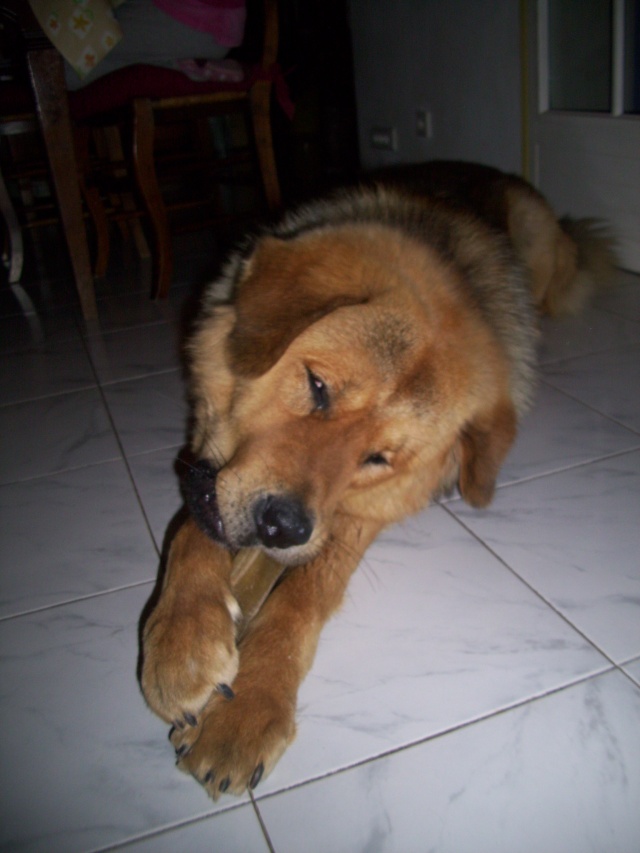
<point>349,376</point>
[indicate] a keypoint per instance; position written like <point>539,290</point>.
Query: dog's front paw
<point>237,742</point>
<point>189,653</point>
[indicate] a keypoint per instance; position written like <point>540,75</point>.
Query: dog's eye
<point>376,459</point>
<point>319,392</point>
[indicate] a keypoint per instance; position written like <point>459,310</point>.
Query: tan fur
<point>416,317</point>
<point>568,260</point>
<point>176,680</point>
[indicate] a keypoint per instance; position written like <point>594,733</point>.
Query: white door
<point>583,110</point>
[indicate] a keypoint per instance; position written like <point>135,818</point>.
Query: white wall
<point>457,58</point>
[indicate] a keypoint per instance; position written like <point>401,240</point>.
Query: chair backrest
<point>271,33</point>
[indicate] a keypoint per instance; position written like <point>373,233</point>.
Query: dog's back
<point>567,259</point>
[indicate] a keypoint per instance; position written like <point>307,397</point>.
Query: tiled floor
<point>480,691</point>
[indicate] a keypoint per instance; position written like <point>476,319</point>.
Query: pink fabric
<point>223,19</point>
<point>221,70</point>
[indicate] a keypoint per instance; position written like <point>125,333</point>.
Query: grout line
<point>529,586</point>
<point>109,383</point>
<point>571,467</point>
<point>552,361</point>
<point>83,389</point>
<point>623,349</point>
<point>456,498</point>
<point>589,406</point>
<point>632,659</point>
<point>88,333</point>
<point>263,825</point>
<point>368,760</point>
<point>169,827</point>
<point>122,451</point>
<point>629,677</point>
<point>482,718</point>
<point>55,473</point>
<point>57,604</point>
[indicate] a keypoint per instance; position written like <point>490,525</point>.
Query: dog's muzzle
<point>275,520</point>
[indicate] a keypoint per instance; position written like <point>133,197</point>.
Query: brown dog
<point>370,352</point>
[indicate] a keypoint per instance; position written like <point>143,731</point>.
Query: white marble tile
<point>52,367</point>
<point>234,831</point>
<point>559,433</point>
<point>53,434</point>
<point>33,294</point>
<point>590,332</point>
<point>633,670</point>
<point>149,413</point>
<point>435,632</point>
<point>157,482</point>
<point>70,535</point>
<point>606,381</point>
<point>575,537</point>
<point>30,330</point>
<point>559,775</point>
<point>89,765</point>
<point>126,310</point>
<point>134,352</point>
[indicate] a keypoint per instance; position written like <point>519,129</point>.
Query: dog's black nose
<point>281,522</point>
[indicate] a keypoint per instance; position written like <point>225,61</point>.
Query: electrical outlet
<point>424,124</point>
<point>384,138</point>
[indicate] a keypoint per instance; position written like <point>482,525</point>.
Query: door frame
<point>587,164</point>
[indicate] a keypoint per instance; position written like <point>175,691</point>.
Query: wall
<point>457,58</point>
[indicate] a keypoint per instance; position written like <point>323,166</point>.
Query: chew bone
<point>253,576</point>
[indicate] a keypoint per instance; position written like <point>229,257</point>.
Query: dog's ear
<point>484,444</point>
<point>276,300</point>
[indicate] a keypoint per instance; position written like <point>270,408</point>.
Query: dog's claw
<point>191,719</point>
<point>224,784</point>
<point>257,776</point>
<point>209,777</point>
<point>226,691</point>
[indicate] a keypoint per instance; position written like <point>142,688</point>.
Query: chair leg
<point>144,165</point>
<point>47,78</point>
<point>93,200</point>
<point>115,154</point>
<point>16,249</point>
<point>260,97</point>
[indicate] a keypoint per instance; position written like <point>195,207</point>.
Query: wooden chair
<point>159,95</point>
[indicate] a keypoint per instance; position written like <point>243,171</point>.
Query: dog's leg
<point>238,741</point>
<point>189,648</point>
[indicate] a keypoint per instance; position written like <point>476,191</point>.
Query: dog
<point>368,353</point>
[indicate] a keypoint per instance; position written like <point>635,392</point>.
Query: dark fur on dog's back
<point>583,249</point>
<point>469,187</point>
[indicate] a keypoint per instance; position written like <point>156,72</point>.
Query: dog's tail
<point>589,266</point>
